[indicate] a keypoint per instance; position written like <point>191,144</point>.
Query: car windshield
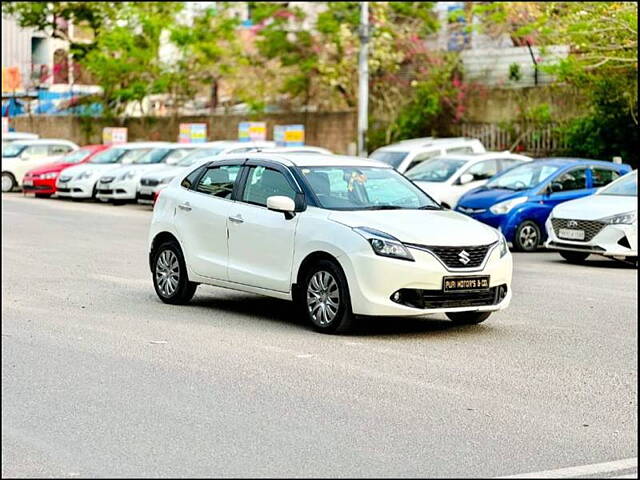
<point>524,176</point>
<point>111,155</point>
<point>12,150</point>
<point>364,188</point>
<point>157,155</point>
<point>626,187</point>
<point>76,156</point>
<point>192,157</point>
<point>389,157</point>
<point>176,155</point>
<point>435,170</point>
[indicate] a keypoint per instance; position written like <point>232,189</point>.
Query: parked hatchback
<point>518,201</point>
<point>341,236</point>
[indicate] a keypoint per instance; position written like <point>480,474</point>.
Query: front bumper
<point>117,190</point>
<point>612,241</point>
<point>39,186</point>
<point>373,280</point>
<point>75,188</point>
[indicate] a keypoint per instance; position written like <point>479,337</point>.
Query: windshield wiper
<point>383,207</point>
<point>430,207</point>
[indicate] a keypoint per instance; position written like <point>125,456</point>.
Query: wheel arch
<point>158,240</point>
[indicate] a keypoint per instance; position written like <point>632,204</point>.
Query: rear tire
<point>574,257</point>
<point>468,318</point>
<point>324,298</point>
<point>528,237</point>
<point>169,274</point>
<point>8,182</point>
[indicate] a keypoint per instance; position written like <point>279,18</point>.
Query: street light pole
<point>363,80</point>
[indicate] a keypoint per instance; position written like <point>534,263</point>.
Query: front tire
<point>468,318</point>
<point>528,237</point>
<point>8,182</point>
<point>324,298</point>
<point>574,257</point>
<point>170,278</point>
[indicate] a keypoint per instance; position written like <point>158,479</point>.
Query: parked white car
<point>605,223</point>
<point>152,182</point>
<point>407,154</point>
<point>300,149</point>
<point>21,156</point>
<point>446,178</point>
<point>80,181</point>
<point>10,137</point>
<point>341,236</point>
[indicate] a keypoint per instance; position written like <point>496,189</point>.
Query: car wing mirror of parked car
<point>280,203</point>
<point>555,187</point>
<point>466,178</point>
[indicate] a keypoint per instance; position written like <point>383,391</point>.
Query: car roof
<point>135,145</point>
<point>19,135</point>
<point>478,156</point>
<point>45,141</point>
<point>427,142</point>
<point>568,161</point>
<point>308,159</point>
<point>300,149</point>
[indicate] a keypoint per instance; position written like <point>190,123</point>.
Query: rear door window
<point>572,180</point>
<point>219,181</point>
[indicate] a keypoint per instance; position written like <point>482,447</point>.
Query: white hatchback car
<point>407,154</point>
<point>448,177</point>
<point>605,223</point>
<point>80,181</point>
<point>21,156</point>
<point>341,236</point>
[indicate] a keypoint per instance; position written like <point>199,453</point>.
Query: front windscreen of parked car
<point>626,187</point>
<point>175,156</point>
<point>192,157</point>
<point>523,177</point>
<point>76,156</point>
<point>12,150</point>
<point>111,155</point>
<point>364,188</point>
<point>389,157</point>
<point>435,170</point>
<point>156,155</point>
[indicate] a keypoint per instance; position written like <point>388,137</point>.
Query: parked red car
<point>42,180</point>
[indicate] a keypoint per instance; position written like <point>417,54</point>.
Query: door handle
<point>185,206</point>
<point>237,219</point>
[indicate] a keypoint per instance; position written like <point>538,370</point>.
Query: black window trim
<point>284,170</point>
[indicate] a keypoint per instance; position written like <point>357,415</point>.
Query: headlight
<point>623,218</point>
<point>85,174</point>
<point>384,244</point>
<point>49,176</point>
<point>504,247</point>
<point>507,205</point>
<point>127,175</point>
<point>166,180</point>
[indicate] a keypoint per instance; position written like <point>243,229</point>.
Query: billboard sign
<point>193,133</point>
<point>114,135</point>
<point>252,131</point>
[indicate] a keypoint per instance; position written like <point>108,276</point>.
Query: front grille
<point>149,182</point>
<point>438,299</point>
<point>591,227</point>
<point>106,179</point>
<point>458,257</point>
<point>470,211</point>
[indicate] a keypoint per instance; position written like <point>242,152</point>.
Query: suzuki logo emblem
<point>572,224</point>
<point>464,258</point>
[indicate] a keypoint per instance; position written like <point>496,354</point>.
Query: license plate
<point>28,183</point>
<point>146,191</point>
<point>459,284</point>
<point>571,234</point>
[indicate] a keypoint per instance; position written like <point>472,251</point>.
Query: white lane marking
<point>595,468</point>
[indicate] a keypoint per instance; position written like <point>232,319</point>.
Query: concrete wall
<point>333,130</point>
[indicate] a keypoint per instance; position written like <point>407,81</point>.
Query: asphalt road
<point>99,378</point>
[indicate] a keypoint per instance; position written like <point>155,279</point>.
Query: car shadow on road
<point>597,263</point>
<point>282,311</point>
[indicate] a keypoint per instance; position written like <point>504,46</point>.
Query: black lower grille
<point>439,299</point>
<point>105,191</point>
<point>571,246</point>
<point>145,196</point>
<point>148,182</point>
<point>63,190</point>
<point>591,227</point>
<point>458,257</point>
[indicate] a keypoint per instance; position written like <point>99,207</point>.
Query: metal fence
<point>534,140</point>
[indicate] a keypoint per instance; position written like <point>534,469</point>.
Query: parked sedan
<point>21,156</point>
<point>518,201</point>
<point>341,236</point>
<point>42,181</point>
<point>604,224</point>
<point>80,181</point>
<point>446,178</point>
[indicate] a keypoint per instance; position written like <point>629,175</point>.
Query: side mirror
<point>279,203</point>
<point>466,178</point>
<point>555,187</point>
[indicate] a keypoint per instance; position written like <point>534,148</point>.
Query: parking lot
<point>99,378</point>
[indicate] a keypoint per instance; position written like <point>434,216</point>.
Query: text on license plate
<point>465,283</point>
<point>571,234</point>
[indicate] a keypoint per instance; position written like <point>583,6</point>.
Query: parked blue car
<point>518,201</point>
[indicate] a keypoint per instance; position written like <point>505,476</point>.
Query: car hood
<point>138,170</point>
<point>424,227</point>
<point>595,207</point>
<point>159,174</point>
<point>486,197</point>
<point>95,168</point>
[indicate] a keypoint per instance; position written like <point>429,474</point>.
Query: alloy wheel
<point>323,297</point>
<point>167,273</point>
<point>7,183</point>
<point>528,237</point>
